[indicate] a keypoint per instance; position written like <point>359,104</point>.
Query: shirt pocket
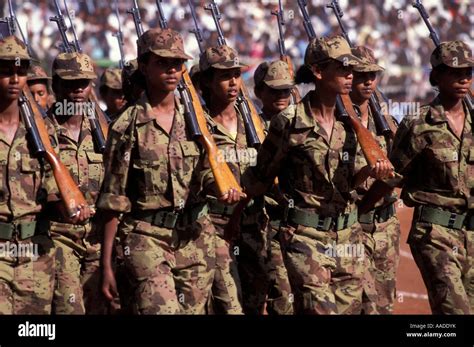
<point>470,169</point>
<point>444,166</point>
<point>152,175</point>
<point>30,175</point>
<point>3,179</point>
<point>191,155</point>
<point>96,171</point>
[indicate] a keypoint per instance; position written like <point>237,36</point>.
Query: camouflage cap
<point>74,66</point>
<point>276,75</point>
<point>366,55</point>
<point>37,73</point>
<point>324,48</point>
<point>12,48</point>
<point>220,57</point>
<point>455,54</point>
<point>163,42</point>
<point>112,78</point>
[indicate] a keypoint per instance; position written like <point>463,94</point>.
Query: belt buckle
<point>159,219</point>
<point>321,223</point>
<point>452,220</point>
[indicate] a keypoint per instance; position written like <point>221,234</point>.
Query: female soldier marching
<point>152,176</point>
<point>434,151</point>
<point>313,155</point>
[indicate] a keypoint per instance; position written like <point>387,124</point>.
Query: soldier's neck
<point>71,122</point>
<point>324,103</point>
<point>159,100</point>
<point>223,110</point>
<point>451,105</point>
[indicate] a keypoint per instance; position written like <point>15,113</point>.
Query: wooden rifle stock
<point>369,146</point>
<point>295,93</point>
<point>70,193</point>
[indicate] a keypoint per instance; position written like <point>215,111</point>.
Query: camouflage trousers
<point>325,268</point>
<point>78,276</point>
<point>384,245</point>
<point>280,298</point>
<point>226,295</point>
<point>252,256</point>
<point>26,278</point>
<point>171,270</point>
<point>445,258</point>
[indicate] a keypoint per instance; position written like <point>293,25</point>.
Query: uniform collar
<point>304,118</point>
<point>146,115</point>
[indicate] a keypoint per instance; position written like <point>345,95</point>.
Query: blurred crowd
<point>393,29</point>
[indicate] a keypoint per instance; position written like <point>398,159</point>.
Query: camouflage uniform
<point>381,225</point>
<point>247,254</point>
<point>439,182</point>
<point>77,246</point>
<point>111,78</point>
<point>279,298</point>
<point>26,278</point>
<point>152,177</point>
<point>316,176</point>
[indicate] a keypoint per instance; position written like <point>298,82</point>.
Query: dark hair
<point>204,79</point>
<point>438,69</point>
<point>305,75</point>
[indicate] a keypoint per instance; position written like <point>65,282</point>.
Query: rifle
<point>295,94</point>
<point>196,31</point>
<point>137,20</point>
<point>97,119</point>
<point>40,141</point>
<point>380,121</point>
<point>253,124</point>
<point>435,38</point>
<point>119,36</point>
<point>196,121</point>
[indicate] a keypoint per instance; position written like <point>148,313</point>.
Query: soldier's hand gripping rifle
<point>370,148</point>
<point>253,124</point>
<point>197,126</point>
<point>381,124</point>
<point>295,94</point>
<point>40,141</point>
<point>97,119</point>
<point>435,38</point>
<point>119,36</point>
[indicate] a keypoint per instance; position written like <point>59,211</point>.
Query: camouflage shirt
<point>235,151</point>
<point>438,167</point>
<point>146,168</point>
<point>361,162</point>
<point>25,182</point>
<point>84,164</point>
<point>315,173</point>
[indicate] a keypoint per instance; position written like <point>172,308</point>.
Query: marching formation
<point>183,197</point>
